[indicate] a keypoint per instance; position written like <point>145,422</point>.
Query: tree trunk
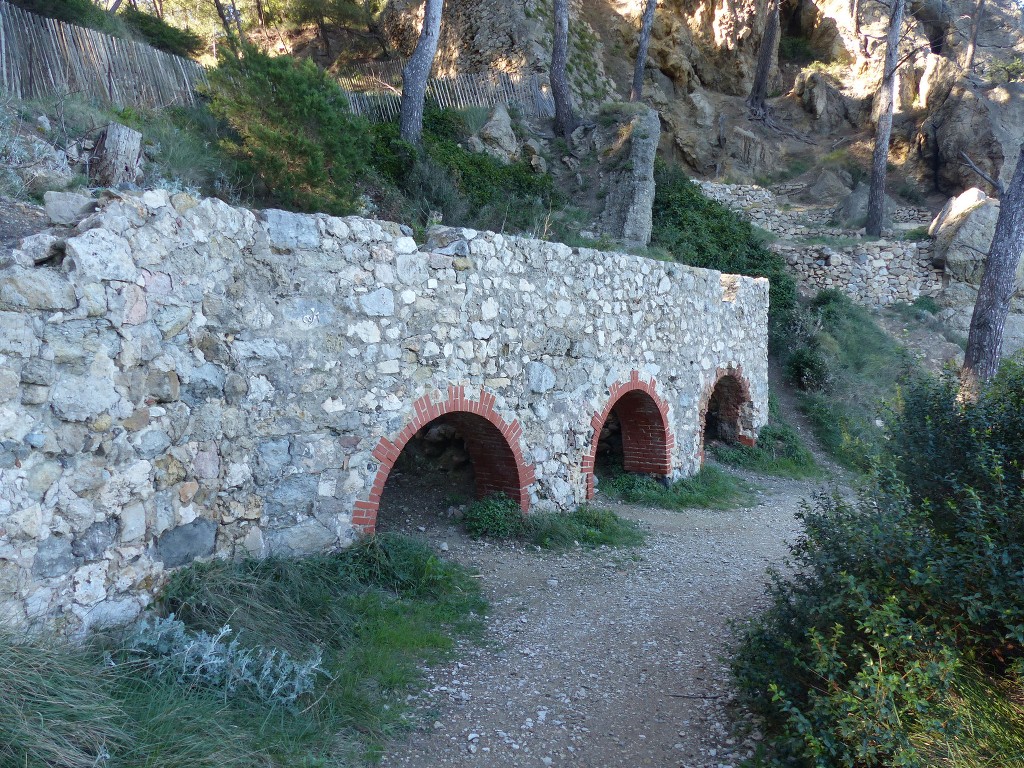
<point>565,123</point>
<point>765,55</point>
<point>416,73</point>
<point>985,340</point>
<point>117,158</point>
<point>883,131</point>
<point>979,9</point>
<point>261,14</point>
<point>225,21</point>
<point>637,91</point>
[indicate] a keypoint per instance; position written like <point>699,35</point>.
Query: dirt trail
<point>608,657</point>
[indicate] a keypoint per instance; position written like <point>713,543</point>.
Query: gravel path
<point>606,657</point>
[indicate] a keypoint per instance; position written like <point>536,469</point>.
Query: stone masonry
<point>182,379</point>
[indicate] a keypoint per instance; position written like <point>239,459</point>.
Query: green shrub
<point>808,370</point>
<point>84,13</point>
<point>902,628</point>
<point>294,132</point>
<point>496,517</point>
<point>797,50</point>
<point>703,233</point>
<point>159,34</point>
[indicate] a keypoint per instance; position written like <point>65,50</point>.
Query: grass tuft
<point>498,517</point>
<point>711,488</point>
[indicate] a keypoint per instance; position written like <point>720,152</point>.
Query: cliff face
<point>702,60</point>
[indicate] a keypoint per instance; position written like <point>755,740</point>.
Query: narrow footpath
<point>606,657</point>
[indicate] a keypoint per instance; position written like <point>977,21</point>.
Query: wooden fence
<point>44,57</point>
<point>375,91</point>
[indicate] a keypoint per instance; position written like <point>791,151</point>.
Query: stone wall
<point>183,379</point>
<point>871,272</point>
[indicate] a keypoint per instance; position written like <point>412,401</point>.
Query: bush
<point>703,233</point>
<point>496,517</point>
<point>159,34</point>
<point>808,370</point>
<point>84,13</point>
<point>294,132</point>
<point>906,610</point>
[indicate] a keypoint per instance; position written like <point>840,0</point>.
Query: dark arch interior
<point>448,462</point>
<point>633,438</point>
<point>722,420</point>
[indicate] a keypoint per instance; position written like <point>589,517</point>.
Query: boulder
<point>498,138</point>
<point>963,239</point>
<point>828,188</point>
<point>627,147</point>
<point>67,207</point>
<point>853,210</point>
<point>44,168</point>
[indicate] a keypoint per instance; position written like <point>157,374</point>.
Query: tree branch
<point>996,184</point>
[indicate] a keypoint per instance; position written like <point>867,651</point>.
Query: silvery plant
<point>218,661</point>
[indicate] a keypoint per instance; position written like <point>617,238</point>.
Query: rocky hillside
<point>702,60</point>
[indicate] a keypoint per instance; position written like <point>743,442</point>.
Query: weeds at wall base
<point>377,612</point>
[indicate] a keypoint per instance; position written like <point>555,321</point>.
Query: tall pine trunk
<point>979,10</point>
<point>565,123</point>
<point>765,55</point>
<point>637,91</point>
<point>416,73</point>
<point>883,131</point>
<point>985,341</point>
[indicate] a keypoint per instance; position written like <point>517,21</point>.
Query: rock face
<point>627,151</point>
<point>227,383</point>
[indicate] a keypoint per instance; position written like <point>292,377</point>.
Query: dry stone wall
<point>182,379</point>
<point>871,272</point>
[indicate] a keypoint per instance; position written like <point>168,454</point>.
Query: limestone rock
<point>44,168</point>
<point>99,254</point>
<point>35,288</point>
<point>498,137</point>
<point>963,234</point>
<point>627,150</point>
<point>67,207</point>
<point>853,210</point>
<point>182,545</point>
<point>828,188</point>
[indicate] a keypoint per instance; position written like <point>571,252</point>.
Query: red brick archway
<point>647,440</point>
<point>492,444</point>
<point>727,409</point>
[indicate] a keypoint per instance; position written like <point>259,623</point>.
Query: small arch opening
<point>447,463</point>
<point>633,438</point>
<point>728,415</point>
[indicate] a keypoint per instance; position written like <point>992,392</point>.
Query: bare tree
<point>564,120</point>
<point>765,55</point>
<point>985,340</point>
<point>416,72</point>
<point>883,131</point>
<point>637,91</point>
<point>979,9</point>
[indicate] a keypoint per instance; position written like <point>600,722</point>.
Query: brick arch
<point>492,444</point>
<point>728,397</point>
<point>647,439</point>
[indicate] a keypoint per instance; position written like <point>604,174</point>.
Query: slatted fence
<point>42,57</point>
<point>375,91</point>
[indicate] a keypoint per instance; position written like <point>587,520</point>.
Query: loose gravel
<point>606,657</point>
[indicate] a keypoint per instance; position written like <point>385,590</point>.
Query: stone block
<point>180,546</point>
